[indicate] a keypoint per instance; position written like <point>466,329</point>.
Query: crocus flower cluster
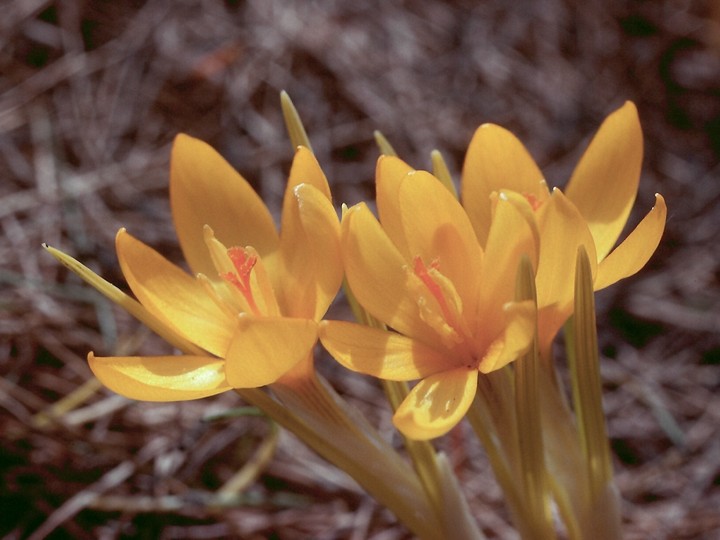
<point>441,276</point>
<point>436,275</point>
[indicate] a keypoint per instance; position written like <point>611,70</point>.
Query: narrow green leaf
<point>295,128</point>
<point>441,172</point>
<point>383,144</point>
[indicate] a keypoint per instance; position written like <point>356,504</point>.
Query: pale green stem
<point>536,515</point>
<point>441,172</point>
<point>602,503</point>
<point>383,144</point>
<point>293,123</point>
<point>343,437</point>
<point>564,460</point>
<point>587,384</point>
<point>482,423</point>
<point>422,453</point>
<point>436,477</point>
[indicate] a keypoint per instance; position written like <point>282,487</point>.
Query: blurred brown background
<point>91,95</point>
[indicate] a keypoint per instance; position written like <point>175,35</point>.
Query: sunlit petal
<point>515,340</point>
<point>377,273</point>
<point>206,190</point>
<point>436,228</point>
<point>632,254</point>
<point>310,254</point>
<point>381,353</point>
<point>305,169</point>
<point>265,348</point>
<point>389,173</point>
<point>562,231</point>
<point>605,182</point>
<point>436,404</point>
<point>161,378</point>
<point>496,160</point>
<point>173,296</point>
<point>511,237</point>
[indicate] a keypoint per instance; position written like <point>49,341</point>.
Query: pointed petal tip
<point>121,233</point>
<point>629,106</point>
<point>182,143</point>
<point>208,233</point>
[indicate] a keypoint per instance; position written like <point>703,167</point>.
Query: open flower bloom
<point>250,310</point>
<point>592,212</point>
<point>448,302</point>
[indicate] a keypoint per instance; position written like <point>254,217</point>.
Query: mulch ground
<point>91,95</point>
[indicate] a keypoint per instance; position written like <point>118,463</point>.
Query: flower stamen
<point>244,262</point>
<point>535,202</point>
<point>421,271</point>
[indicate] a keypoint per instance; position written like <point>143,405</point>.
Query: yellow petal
<point>125,301</point>
<point>305,169</point>
<point>436,404</point>
<point>389,173</point>
<point>632,254</point>
<point>496,160</point>
<point>173,296</point>
<point>562,231</point>
<point>310,255</point>
<point>206,190</point>
<point>161,378</point>
<point>264,349</point>
<point>511,237</point>
<point>516,339</point>
<point>605,182</point>
<point>436,228</point>
<point>524,206</point>
<point>381,353</point>
<point>377,273</point>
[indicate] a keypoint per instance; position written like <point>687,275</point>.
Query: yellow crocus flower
<point>249,313</point>
<point>592,212</point>
<point>447,301</point>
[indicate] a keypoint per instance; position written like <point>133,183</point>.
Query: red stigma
<point>244,264</point>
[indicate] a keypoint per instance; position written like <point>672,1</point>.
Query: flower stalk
<point>438,480</point>
<point>602,505</point>
<point>312,411</point>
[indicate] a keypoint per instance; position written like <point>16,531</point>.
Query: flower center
<point>244,262</point>
<point>535,203</point>
<point>441,307</point>
<point>435,289</point>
